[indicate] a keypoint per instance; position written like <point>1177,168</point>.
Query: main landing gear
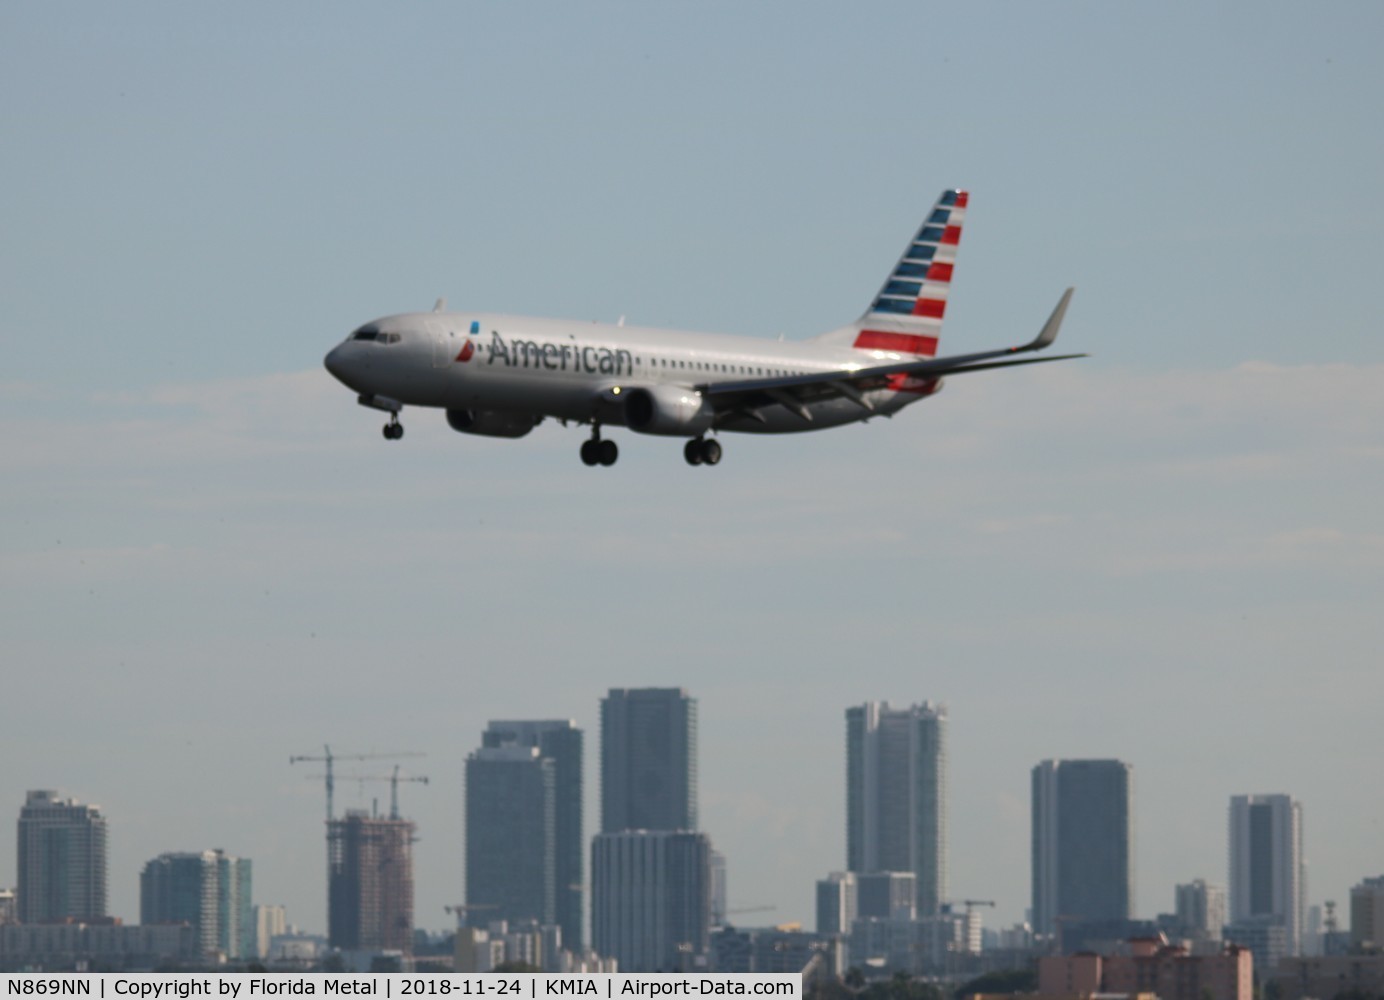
<point>393,430</point>
<point>702,451</point>
<point>598,452</point>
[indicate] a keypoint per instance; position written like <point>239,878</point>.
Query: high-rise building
<point>370,883</point>
<point>1082,842</point>
<point>896,795</point>
<point>1200,909</point>
<point>836,903</point>
<point>719,898</point>
<point>1266,866</point>
<point>886,895</point>
<point>235,911</point>
<point>181,889</point>
<point>651,898</point>
<point>648,760</point>
<point>270,922</point>
<point>1367,914</point>
<point>560,741</point>
<point>62,860</point>
<point>511,843</point>
<point>210,891</point>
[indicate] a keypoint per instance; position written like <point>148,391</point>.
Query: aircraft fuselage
<point>556,368</point>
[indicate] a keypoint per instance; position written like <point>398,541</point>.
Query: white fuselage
<point>563,369</point>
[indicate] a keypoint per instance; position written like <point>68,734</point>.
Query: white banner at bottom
<point>396,986</point>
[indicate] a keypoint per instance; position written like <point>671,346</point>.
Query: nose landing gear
<point>598,452</point>
<point>702,451</point>
<point>393,430</point>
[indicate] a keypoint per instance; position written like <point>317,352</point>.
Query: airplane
<point>500,376</point>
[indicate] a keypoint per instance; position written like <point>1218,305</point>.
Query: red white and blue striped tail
<point>905,318</point>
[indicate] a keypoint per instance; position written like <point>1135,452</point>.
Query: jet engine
<point>492,423</point>
<point>667,409</point>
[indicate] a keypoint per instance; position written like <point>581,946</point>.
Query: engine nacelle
<point>667,409</point>
<point>492,423</point>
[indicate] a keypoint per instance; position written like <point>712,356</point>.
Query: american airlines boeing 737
<point>500,375</point>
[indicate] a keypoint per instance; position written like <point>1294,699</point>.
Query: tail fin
<point>906,315</point>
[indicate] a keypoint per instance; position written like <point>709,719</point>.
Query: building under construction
<point>370,883</point>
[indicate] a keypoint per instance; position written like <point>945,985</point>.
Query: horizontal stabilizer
<point>794,391</point>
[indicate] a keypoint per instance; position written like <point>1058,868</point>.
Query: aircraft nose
<point>335,363</point>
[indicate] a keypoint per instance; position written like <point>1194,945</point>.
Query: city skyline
<point>1167,553</point>
<point>1266,845</point>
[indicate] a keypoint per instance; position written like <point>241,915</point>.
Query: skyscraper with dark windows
<point>210,890</point>
<point>651,899</point>
<point>896,795</point>
<point>651,872</point>
<point>1266,871</point>
<point>560,742</point>
<point>511,843</point>
<point>648,760</point>
<point>61,860</point>
<point>1082,842</point>
<point>836,903</point>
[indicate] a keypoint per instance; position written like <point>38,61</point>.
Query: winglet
<point>1054,323</point>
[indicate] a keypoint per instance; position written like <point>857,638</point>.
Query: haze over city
<point>1168,553</point>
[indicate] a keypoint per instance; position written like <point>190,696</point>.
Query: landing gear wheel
<point>607,452</point>
<point>692,451</point>
<point>591,452</point>
<point>711,452</point>
<point>393,430</point>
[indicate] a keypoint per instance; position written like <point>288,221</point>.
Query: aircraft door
<point>443,340</point>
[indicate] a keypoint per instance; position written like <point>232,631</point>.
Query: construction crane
<point>393,780</point>
<point>394,790</point>
<point>971,904</point>
<point>736,911</point>
<point>750,909</point>
<point>330,757</point>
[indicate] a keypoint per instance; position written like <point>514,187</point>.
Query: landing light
<point>615,391</point>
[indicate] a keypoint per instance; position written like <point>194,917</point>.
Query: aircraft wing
<point>742,397</point>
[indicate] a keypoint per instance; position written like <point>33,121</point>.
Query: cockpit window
<point>366,333</point>
<point>375,334</point>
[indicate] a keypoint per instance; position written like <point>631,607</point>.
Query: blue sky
<point>1168,553</point>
